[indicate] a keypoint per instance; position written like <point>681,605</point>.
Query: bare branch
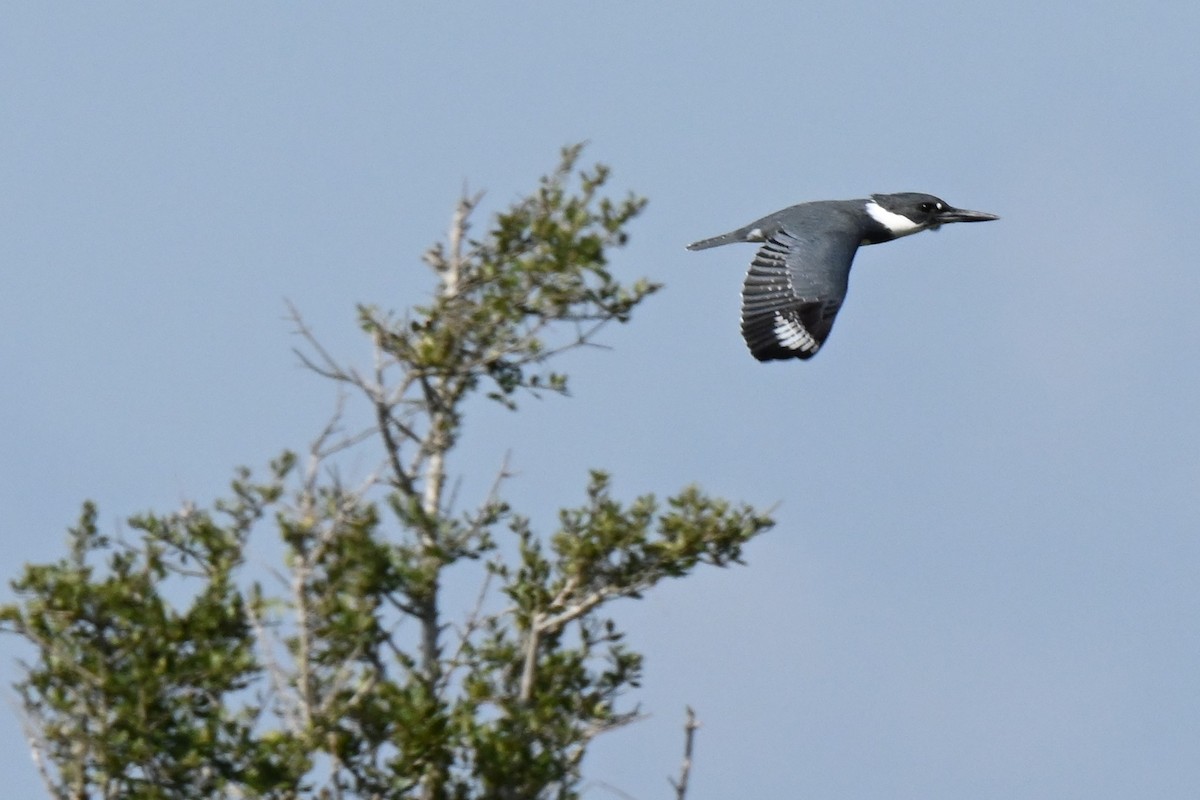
<point>402,607</point>
<point>608,787</point>
<point>473,622</point>
<point>578,609</point>
<point>333,440</point>
<point>304,677</point>
<point>459,225</point>
<point>342,676</point>
<point>402,479</point>
<point>277,678</point>
<point>33,728</point>
<point>529,664</point>
<point>689,734</point>
<point>328,366</point>
<point>543,623</point>
<point>475,617</point>
<point>493,496</point>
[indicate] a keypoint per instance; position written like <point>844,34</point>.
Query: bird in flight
<point>798,278</point>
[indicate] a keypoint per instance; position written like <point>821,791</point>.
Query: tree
<point>166,667</point>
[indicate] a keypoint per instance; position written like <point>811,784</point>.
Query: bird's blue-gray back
<point>798,279</point>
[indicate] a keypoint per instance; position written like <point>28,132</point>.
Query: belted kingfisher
<point>797,280</point>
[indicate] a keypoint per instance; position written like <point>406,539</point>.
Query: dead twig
<point>689,732</point>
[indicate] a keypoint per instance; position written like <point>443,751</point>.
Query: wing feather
<point>793,291</point>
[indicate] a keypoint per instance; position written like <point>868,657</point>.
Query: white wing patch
<point>792,335</point>
<point>898,224</point>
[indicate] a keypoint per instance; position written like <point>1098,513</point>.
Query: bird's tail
<point>751,233</point>
<point>717,241</point>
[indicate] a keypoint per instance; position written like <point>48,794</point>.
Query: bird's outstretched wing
<point>793,291</point>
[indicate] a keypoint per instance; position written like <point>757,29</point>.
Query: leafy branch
<point>174,666</point>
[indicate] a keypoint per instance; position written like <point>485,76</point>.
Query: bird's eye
<point>927,206</point>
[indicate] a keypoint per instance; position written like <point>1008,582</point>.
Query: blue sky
<point>984,578</point>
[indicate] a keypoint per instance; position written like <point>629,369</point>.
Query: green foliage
<point>537,284</point>
<point>172,666</point>
<point>131,694</point>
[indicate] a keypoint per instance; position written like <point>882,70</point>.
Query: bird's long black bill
<point>962,215</point>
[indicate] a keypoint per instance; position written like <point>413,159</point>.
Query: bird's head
<point>910,212</point>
